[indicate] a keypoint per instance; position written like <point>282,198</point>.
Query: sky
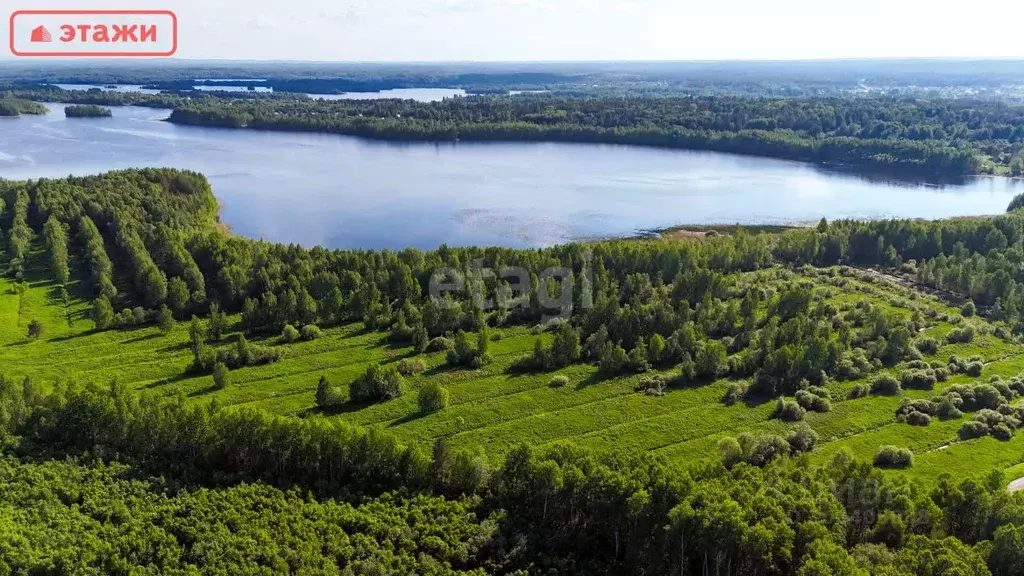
<point>579,30</point>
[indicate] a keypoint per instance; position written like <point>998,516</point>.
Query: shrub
<point>410,366</point>
<point>802,438</point>
<point>893,457</point>
<point>820,392</point>
<point>164,319</point>
<point>859,391</point>
<point>652,386</point>
<point>927,345</point>
<point>788,410</point>
<point>439,344</point>
<point>812,402</point>
<point>432,398</point>
<point>736,392</point>
<point>289,334</point>
<point>220,375</point>
<point>558,381</point>
<point>923,406</point>
<point>886,384</point>
<point>949,407</point>
<point>918,419</point>
<point>989,417</point>
<point>1002,432</point>
<point>760,450</point>
<point>973,429</point>
<point>974,369</point>
<point>960,335</point>
<point>941,374</point>
<point>918,379</point>
<point>310,332</point>
<point>376,384</point>
<point>977,396</point>
<point>35,329</point>
<point>968,309</point>
<point>327,396</point>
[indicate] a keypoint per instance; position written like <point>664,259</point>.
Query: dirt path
<point>1016,486</point>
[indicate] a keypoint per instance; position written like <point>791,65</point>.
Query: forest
<point>914,323</point>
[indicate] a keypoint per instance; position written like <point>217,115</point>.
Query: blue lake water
<point>346,192</point>
<point>420,94</point>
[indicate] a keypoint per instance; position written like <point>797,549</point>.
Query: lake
<point>419,94</point>
<point>346,192</point>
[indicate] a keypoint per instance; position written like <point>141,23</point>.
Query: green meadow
<point>494,409</point>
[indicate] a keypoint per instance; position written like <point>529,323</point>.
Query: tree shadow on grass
<point>408,418</point>
<point>174,347</point>
<point>169,380</point>
<point>202,391</point>
<point>343,408</point>
<point>443,368</point>
<point>142,338</point>
<point>595,378</point>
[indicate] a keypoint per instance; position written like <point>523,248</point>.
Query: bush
<point>974,369</point>
<point>558,381</point>
<point>376,384</point>
<point>918,419</point>
<point>886,384</point>
<point>410,366</point>
<point>918,379</point>
<point>327,396</point>
<point>439,344</point>
<point>960,335</point>
<point>973,429</point>
<point>927,345</point>
<point>736,392</point>
<point>1002,432</point>
<point>893,457</point>
<point>432,398</point>
<point>310,332</point>
<point>812,402</point>
<point>164,319</point>
<point>859,391</point>
<point>754,450</point>
<point>652,386</point>
<point>949,407</point>
<point>289,334</point>
<point>802,438</point>
<point>220,376</point>
<point>788,411</point>
<point>941,374</point>
<point>35,329</point>
<point>968,309</point>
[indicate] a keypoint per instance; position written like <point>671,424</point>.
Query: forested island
<point>740,403</point>
<point>87,111</point>
<point>17,107</point>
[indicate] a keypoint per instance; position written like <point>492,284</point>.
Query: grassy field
<point>493,409</point>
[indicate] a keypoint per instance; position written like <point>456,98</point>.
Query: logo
<point>41,34</point>
<point>92,33</point>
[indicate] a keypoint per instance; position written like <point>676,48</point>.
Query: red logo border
<point>174,20</point>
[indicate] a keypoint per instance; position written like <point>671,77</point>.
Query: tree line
<point>564,508</point>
